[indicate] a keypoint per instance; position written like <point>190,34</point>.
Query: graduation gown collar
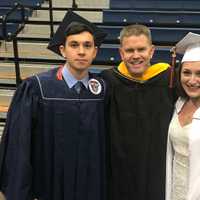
<point>59,74</point>
<point>151,72</point>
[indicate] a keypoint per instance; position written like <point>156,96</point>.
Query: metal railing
<point>19,9</point>
<point>12,36</point>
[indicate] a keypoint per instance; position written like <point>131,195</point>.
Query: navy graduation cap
<point>70,19</point>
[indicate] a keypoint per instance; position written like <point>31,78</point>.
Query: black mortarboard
<point>68,20</point>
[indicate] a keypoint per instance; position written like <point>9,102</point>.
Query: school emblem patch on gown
<point>94,86</point>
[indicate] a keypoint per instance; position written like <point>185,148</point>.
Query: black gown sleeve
<point>15,148</point>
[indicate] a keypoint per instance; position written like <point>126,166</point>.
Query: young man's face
<point>136,52</point>
<point>79,51</point>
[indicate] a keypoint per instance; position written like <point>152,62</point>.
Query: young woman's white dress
<point>178,137</point>
<point>183,157</point>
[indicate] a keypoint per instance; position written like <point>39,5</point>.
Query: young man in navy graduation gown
<point>53,143</point>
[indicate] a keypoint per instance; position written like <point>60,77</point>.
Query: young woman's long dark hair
<point>180,91</point>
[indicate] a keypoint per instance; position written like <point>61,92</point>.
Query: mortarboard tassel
<point>173,55</point>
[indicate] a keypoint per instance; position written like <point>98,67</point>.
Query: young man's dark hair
<point>77,27</point>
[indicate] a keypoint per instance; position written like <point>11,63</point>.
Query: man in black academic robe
<point>140,105</point>
<point>53,143</point>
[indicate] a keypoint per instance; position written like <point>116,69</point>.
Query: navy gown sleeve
<point>15,148</point>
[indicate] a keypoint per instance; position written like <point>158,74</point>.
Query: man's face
<point>136,52</point>
<point>79,51</point>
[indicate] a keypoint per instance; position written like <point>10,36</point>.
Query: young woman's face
<point>190,79</point>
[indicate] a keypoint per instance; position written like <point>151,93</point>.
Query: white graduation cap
<point>190,47</point>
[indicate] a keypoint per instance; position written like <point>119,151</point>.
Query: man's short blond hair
<point>135,30</point>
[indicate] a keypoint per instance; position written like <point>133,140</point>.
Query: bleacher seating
<point>25,3</point>
<point>160,35</point>
<point>152,18</point>
<point>14,9</point>
<point>11,29</point>
<point>177,5</point>
<point>109,54</point>
<point>12,21</point>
